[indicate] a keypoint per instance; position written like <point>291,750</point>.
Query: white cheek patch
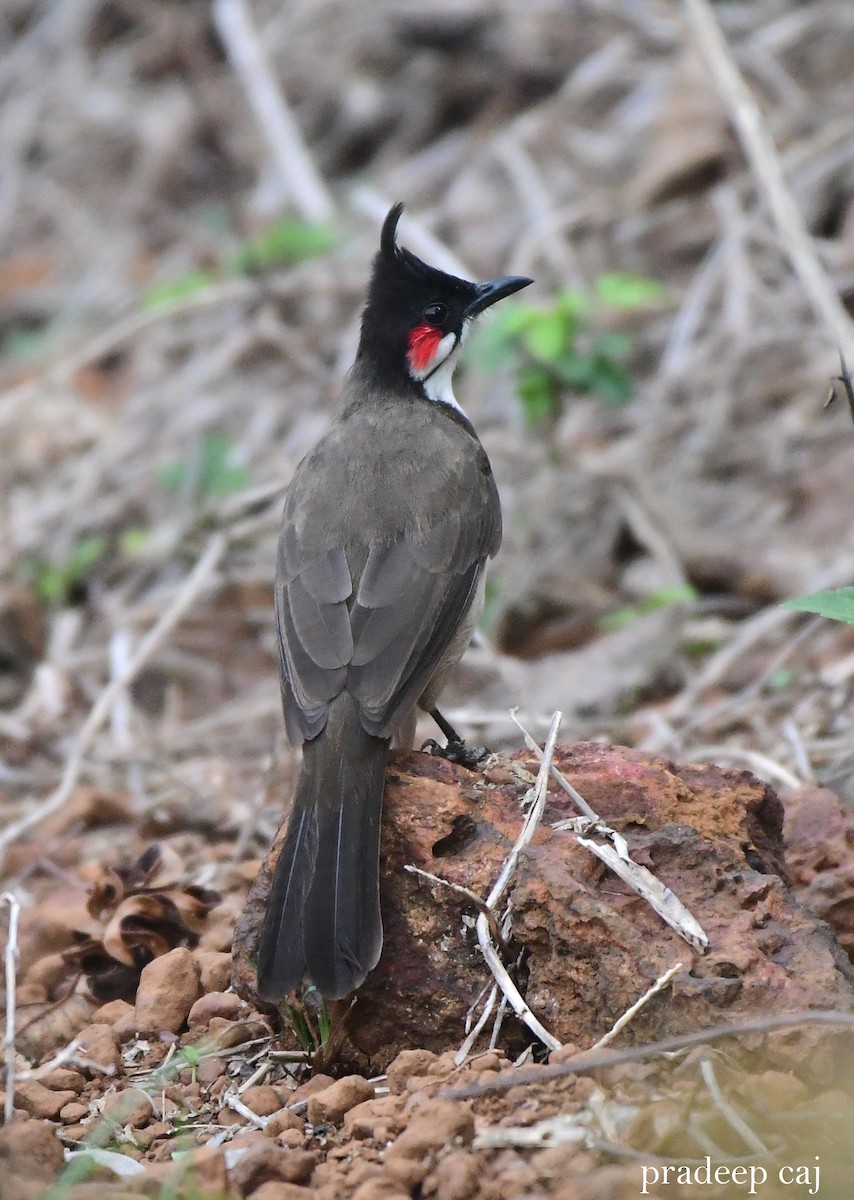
<point>438,374</point>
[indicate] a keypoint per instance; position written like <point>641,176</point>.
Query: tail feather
<point>323,914</point>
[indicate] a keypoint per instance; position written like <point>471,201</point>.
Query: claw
<point>456,751</point>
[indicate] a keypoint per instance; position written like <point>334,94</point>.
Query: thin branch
<point>499,971</point>
<point>294,165</point>
<point>233,1101</point>
<point>765,164</point>
<point>467,894</point>
<point>630,1013</point>
<point>732,1118</point>
<point>559,778</point>
<point>11,963</point>
<point>587,1061</point>
<point>535,812</point>
<point>103,706</point>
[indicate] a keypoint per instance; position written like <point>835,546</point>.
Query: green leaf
<point>215,474</point>
<point>611,382</point>
<point>288,241</point>
<point>618,290</point>
<point>547,338</point>
<point>836,603</point>
<point>536,391</point>
<point>192,1055</point>
<point>84,554</point>
<point>134,540</point>
<point>28,344</point>
<point>613,345</point>
<point>219,476</point>
<point>575,371</point>
<point>515,318</point>
<point>181,288</point>
<point>573,304</point>
<point>621,617</point>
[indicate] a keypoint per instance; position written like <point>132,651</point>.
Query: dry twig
<point>11,963</point>
<point>765,163</point>
<point>101,709</point>
<point>297,172</point>
<point>632,1012</point>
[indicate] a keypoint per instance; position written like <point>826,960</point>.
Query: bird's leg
<point>456,750</point>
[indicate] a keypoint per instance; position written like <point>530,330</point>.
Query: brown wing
<point>373,617</point>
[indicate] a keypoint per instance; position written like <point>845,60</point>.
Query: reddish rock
<point>41,1102</point>
<point>330,1105</point>
<point>263,1100</point>
<point>819,830</point>
<point>265,1161</point>
<point>62,1079</point>
<point>131,1106</point>
<point>284,1121</point>
<point>713,835</point>
<point>168,988</point>
<point>214,1004</point>
<point>407,1064</point>
<point>275,1189</point>
<point>109,1014</point>
<point>73,1112</point>
<point>98,1043</point>
<point>214,970</point>
<point>30,1155</point>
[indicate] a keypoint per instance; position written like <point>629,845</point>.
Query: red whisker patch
<point>423,343</point>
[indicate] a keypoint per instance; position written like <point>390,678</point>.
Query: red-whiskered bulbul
<point>386,530</point>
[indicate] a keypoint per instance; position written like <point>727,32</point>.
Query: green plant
<point>835,603</point>
<point>287,241</point>
<point>311,1008</point>
<point>566,347</point>
<point>211,474</point>
<point>55,583</point>
<point>622,617</point>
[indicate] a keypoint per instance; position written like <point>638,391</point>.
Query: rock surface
<point>713,835</point>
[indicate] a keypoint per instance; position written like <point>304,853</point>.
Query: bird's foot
<point>456,751</point>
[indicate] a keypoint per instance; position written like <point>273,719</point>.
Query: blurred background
<point>191,196</point>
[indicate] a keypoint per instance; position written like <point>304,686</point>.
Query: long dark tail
<point>323,912</point>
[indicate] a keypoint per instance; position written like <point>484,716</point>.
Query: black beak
<point>493,290</point>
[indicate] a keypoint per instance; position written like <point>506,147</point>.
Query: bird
<point>387,527</point>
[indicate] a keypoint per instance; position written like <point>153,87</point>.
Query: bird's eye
<point>435,313</point>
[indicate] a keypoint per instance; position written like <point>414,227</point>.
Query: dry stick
<point>11,961</point>
<point>490,953</point>
<point>559,778</point>
<point>630,1013</point>
<point>102,707</point>
<point>764,161</point>
<point>122,331</point>
<point>750,1139</point>
<point>466,893</point>
<point>614,854</point>
<point>296,170</point>
<point>587,1061</point>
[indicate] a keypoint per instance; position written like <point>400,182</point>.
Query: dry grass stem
<point>587,1061</point>
<point>750,1139</point>
<point>657,895</point>
<point>631,1012</point>
<point>233,1101</point>
<point>483,926</point>
<point>299,177</point>
<point>765,163</point>
<point>184,599</point>
<point>10,962</point>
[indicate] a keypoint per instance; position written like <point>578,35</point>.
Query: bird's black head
<point>416,316</point>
